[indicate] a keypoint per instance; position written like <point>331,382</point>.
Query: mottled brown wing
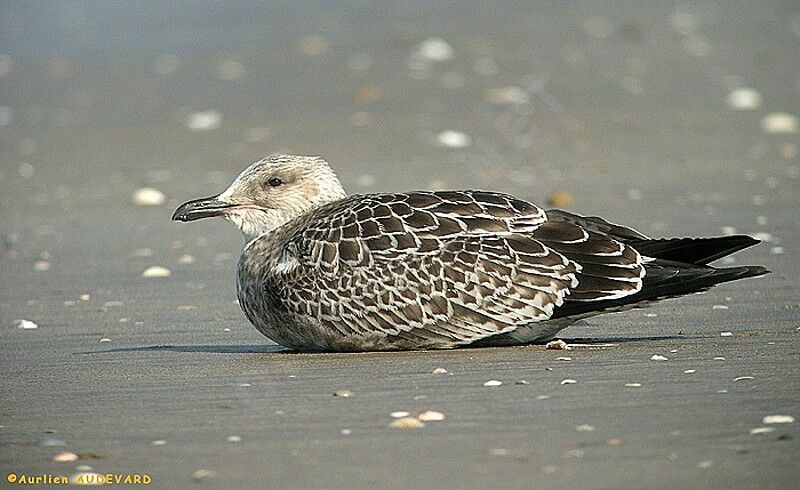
<point>596,224</point>
<point>449,267</point>
<point>358,230</point>
<point>609,268</point>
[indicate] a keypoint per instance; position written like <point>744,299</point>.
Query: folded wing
<point>437,268</point>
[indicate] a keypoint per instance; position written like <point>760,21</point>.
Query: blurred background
<point>101,97</point>
<point>677,118</point>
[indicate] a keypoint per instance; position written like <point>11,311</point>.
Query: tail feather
<point>697,251</point>
<point>676,266</point>
<point>664,279</point>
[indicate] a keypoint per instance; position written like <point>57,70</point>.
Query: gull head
<point>268,194</point>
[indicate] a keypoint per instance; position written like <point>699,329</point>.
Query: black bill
<point>201,208</point>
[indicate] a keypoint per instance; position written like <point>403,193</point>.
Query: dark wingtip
<point>755,271</point>
<point>727,274</point>
<point>697,251</point>
<point>748,241</point>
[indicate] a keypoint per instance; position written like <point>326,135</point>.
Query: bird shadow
<point>624,340</point>
<point>278,349</point>
<point>212,349</point>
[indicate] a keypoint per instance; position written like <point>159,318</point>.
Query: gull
<point>324,271</point>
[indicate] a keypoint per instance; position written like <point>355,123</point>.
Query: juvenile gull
<point>323,271</point>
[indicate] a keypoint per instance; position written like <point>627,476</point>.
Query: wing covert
<point>452,266</point>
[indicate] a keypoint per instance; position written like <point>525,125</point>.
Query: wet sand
<point>628,108</point>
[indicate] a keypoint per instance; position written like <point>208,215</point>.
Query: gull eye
<point>274,182</point>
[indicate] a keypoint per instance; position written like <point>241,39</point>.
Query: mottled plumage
<point>416,270</point>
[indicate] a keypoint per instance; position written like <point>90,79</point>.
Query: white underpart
<point>253,222</point>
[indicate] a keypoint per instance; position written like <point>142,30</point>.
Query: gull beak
<point>201,208</point>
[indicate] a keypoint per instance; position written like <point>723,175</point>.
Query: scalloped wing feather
<point>450,265</point>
